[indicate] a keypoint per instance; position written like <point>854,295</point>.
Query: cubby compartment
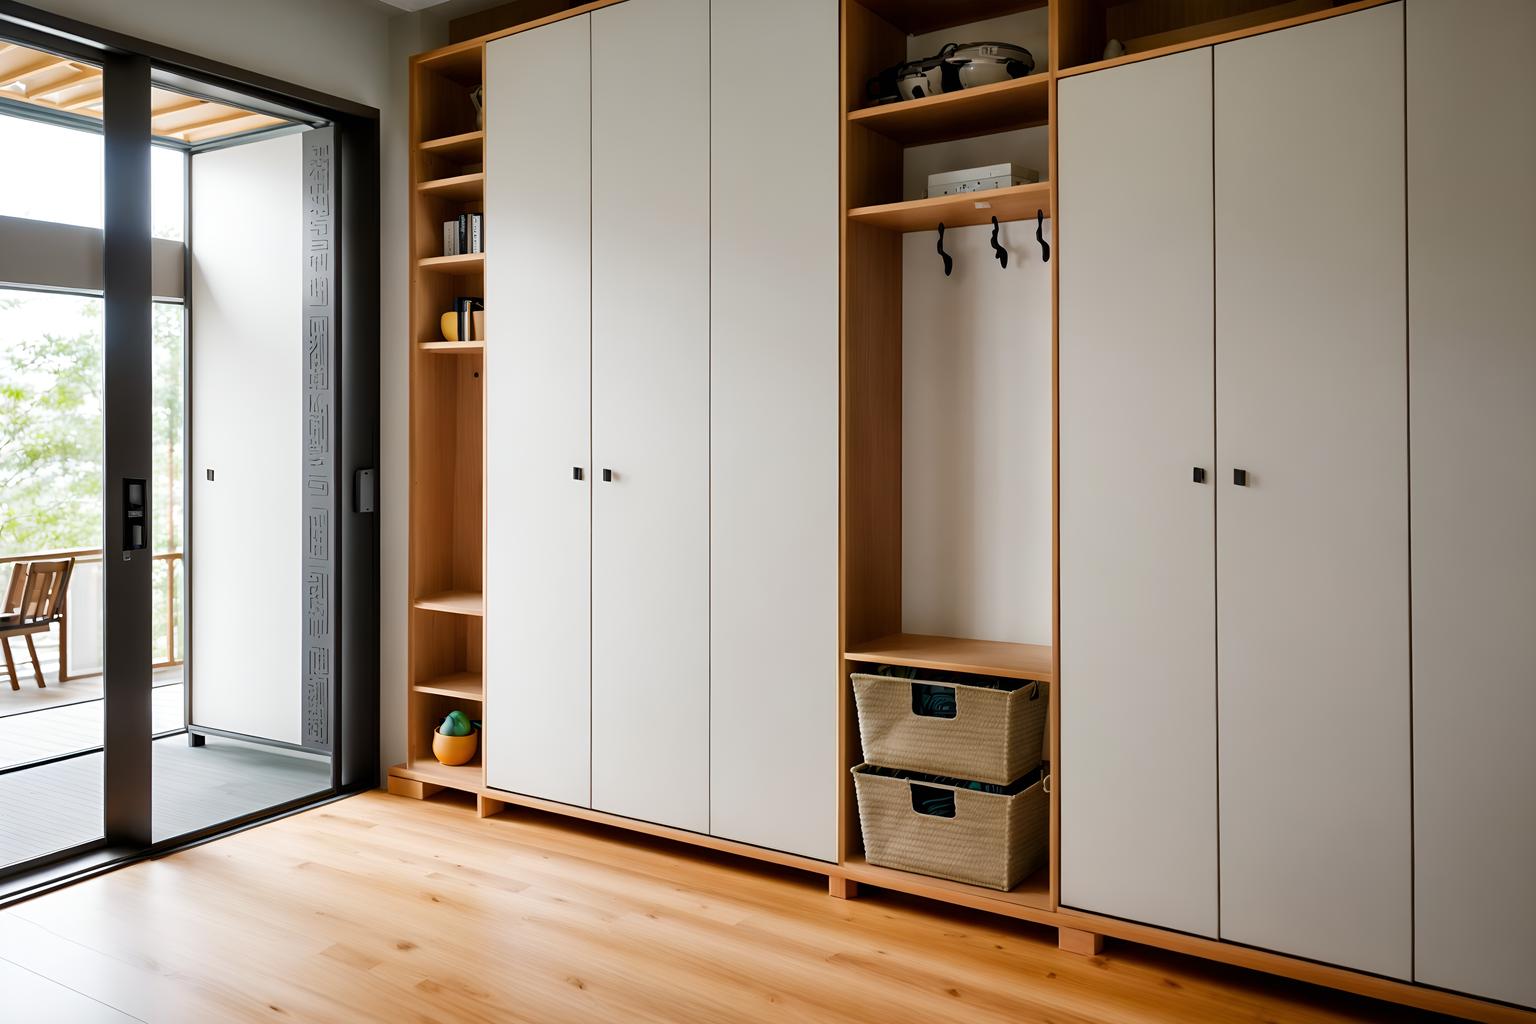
<point>892,148</point>
<point>1087,27</point>
<point>447,490</point>
<point>447,654</point>
<point>440,200</point>
<point>427,713</point>
<point>444,87</point>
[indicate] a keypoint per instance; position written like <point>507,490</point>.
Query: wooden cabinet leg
<point>1074,940</point>
<point>485,806</point>
<point>411,788</point>
<point>842,888</point>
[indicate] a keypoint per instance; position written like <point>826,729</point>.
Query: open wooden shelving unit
<point>877,214</point>
<point>447,420</point>
<point>447,427</point>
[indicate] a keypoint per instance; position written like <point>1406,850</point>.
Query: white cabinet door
<point>537,351</point>
<point>774,775</point>
<point>650,411</point>
<point>1138,688</point>
<point>1472,368</point>
<point>1312,555</point>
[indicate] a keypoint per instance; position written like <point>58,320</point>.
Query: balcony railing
<point>86,585</point>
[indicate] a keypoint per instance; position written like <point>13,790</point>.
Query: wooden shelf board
<point>1197,42</point>
<point>466,778</point>
<point>954,654</point>
<point>1021,103</point>
<point>1031,900</point>
<point>918,16</point>
<point>458,147</point>
<point>452,347</point>
<point>1017,203</point>
<point>460,62</point>
<point>463,685</point>
<point>469,263</point>
<point>456,602</point>
<point>460,187</point>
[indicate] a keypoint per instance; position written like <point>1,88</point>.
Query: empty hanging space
<point>947,457</point>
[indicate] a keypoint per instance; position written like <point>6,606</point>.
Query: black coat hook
<point>1045,247</point>
<point>949,261</point>
<point>997,248</point>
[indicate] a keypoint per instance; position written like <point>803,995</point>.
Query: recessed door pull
<point>1199,475</point>
<point>576,473</point>
<point>607,475</point>
<point>1240,477</point>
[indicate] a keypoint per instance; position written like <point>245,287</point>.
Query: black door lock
<point>135,515</point>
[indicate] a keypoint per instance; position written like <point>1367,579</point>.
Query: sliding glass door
<point>173,505</point>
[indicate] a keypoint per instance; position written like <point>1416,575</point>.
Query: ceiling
<point>56,83</point>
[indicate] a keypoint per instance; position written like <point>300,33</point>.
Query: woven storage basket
<point>993,840</point>
<point>995,736</point>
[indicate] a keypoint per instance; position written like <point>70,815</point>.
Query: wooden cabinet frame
<point>874,218</point>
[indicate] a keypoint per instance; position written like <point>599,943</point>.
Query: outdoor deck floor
<point>55,806</point>
<point>66,717</point>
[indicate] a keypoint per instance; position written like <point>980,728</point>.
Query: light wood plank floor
<point>380,908</point>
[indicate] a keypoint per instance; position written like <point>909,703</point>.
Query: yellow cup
<point>449,324</point>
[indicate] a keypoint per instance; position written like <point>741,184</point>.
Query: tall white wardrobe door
<point>773,425</point>
<point>1312,554</point>
<point>1472,421</point>
<point>650,411</point>
<point>536,413</point>
<point>1138,647</point>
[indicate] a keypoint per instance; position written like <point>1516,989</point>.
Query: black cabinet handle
<point>1199,474</point>
<point>1240,477</point>
<point>576,473</point>
<point>607,475</point>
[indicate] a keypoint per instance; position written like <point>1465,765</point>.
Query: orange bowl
<point>454,750</point>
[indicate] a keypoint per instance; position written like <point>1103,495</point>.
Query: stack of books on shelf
<point>464,235</point>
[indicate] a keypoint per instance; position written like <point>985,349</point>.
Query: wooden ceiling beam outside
<point>209,122</point>
<point>89,99</point>
<point>80,77</point>
<point>165,105</point>
<point>47,63</point>
<point>186,103</point>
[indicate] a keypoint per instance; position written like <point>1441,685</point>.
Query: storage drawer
<point>988,733</point>
<point>977,833</point>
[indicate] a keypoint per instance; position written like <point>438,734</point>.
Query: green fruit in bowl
<point>456,724</point>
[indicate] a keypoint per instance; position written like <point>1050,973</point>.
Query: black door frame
<point>130,66</point>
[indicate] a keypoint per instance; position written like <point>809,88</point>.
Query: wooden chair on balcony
<point>34,601</point>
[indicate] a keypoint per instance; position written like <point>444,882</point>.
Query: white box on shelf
<point>979,179</point>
